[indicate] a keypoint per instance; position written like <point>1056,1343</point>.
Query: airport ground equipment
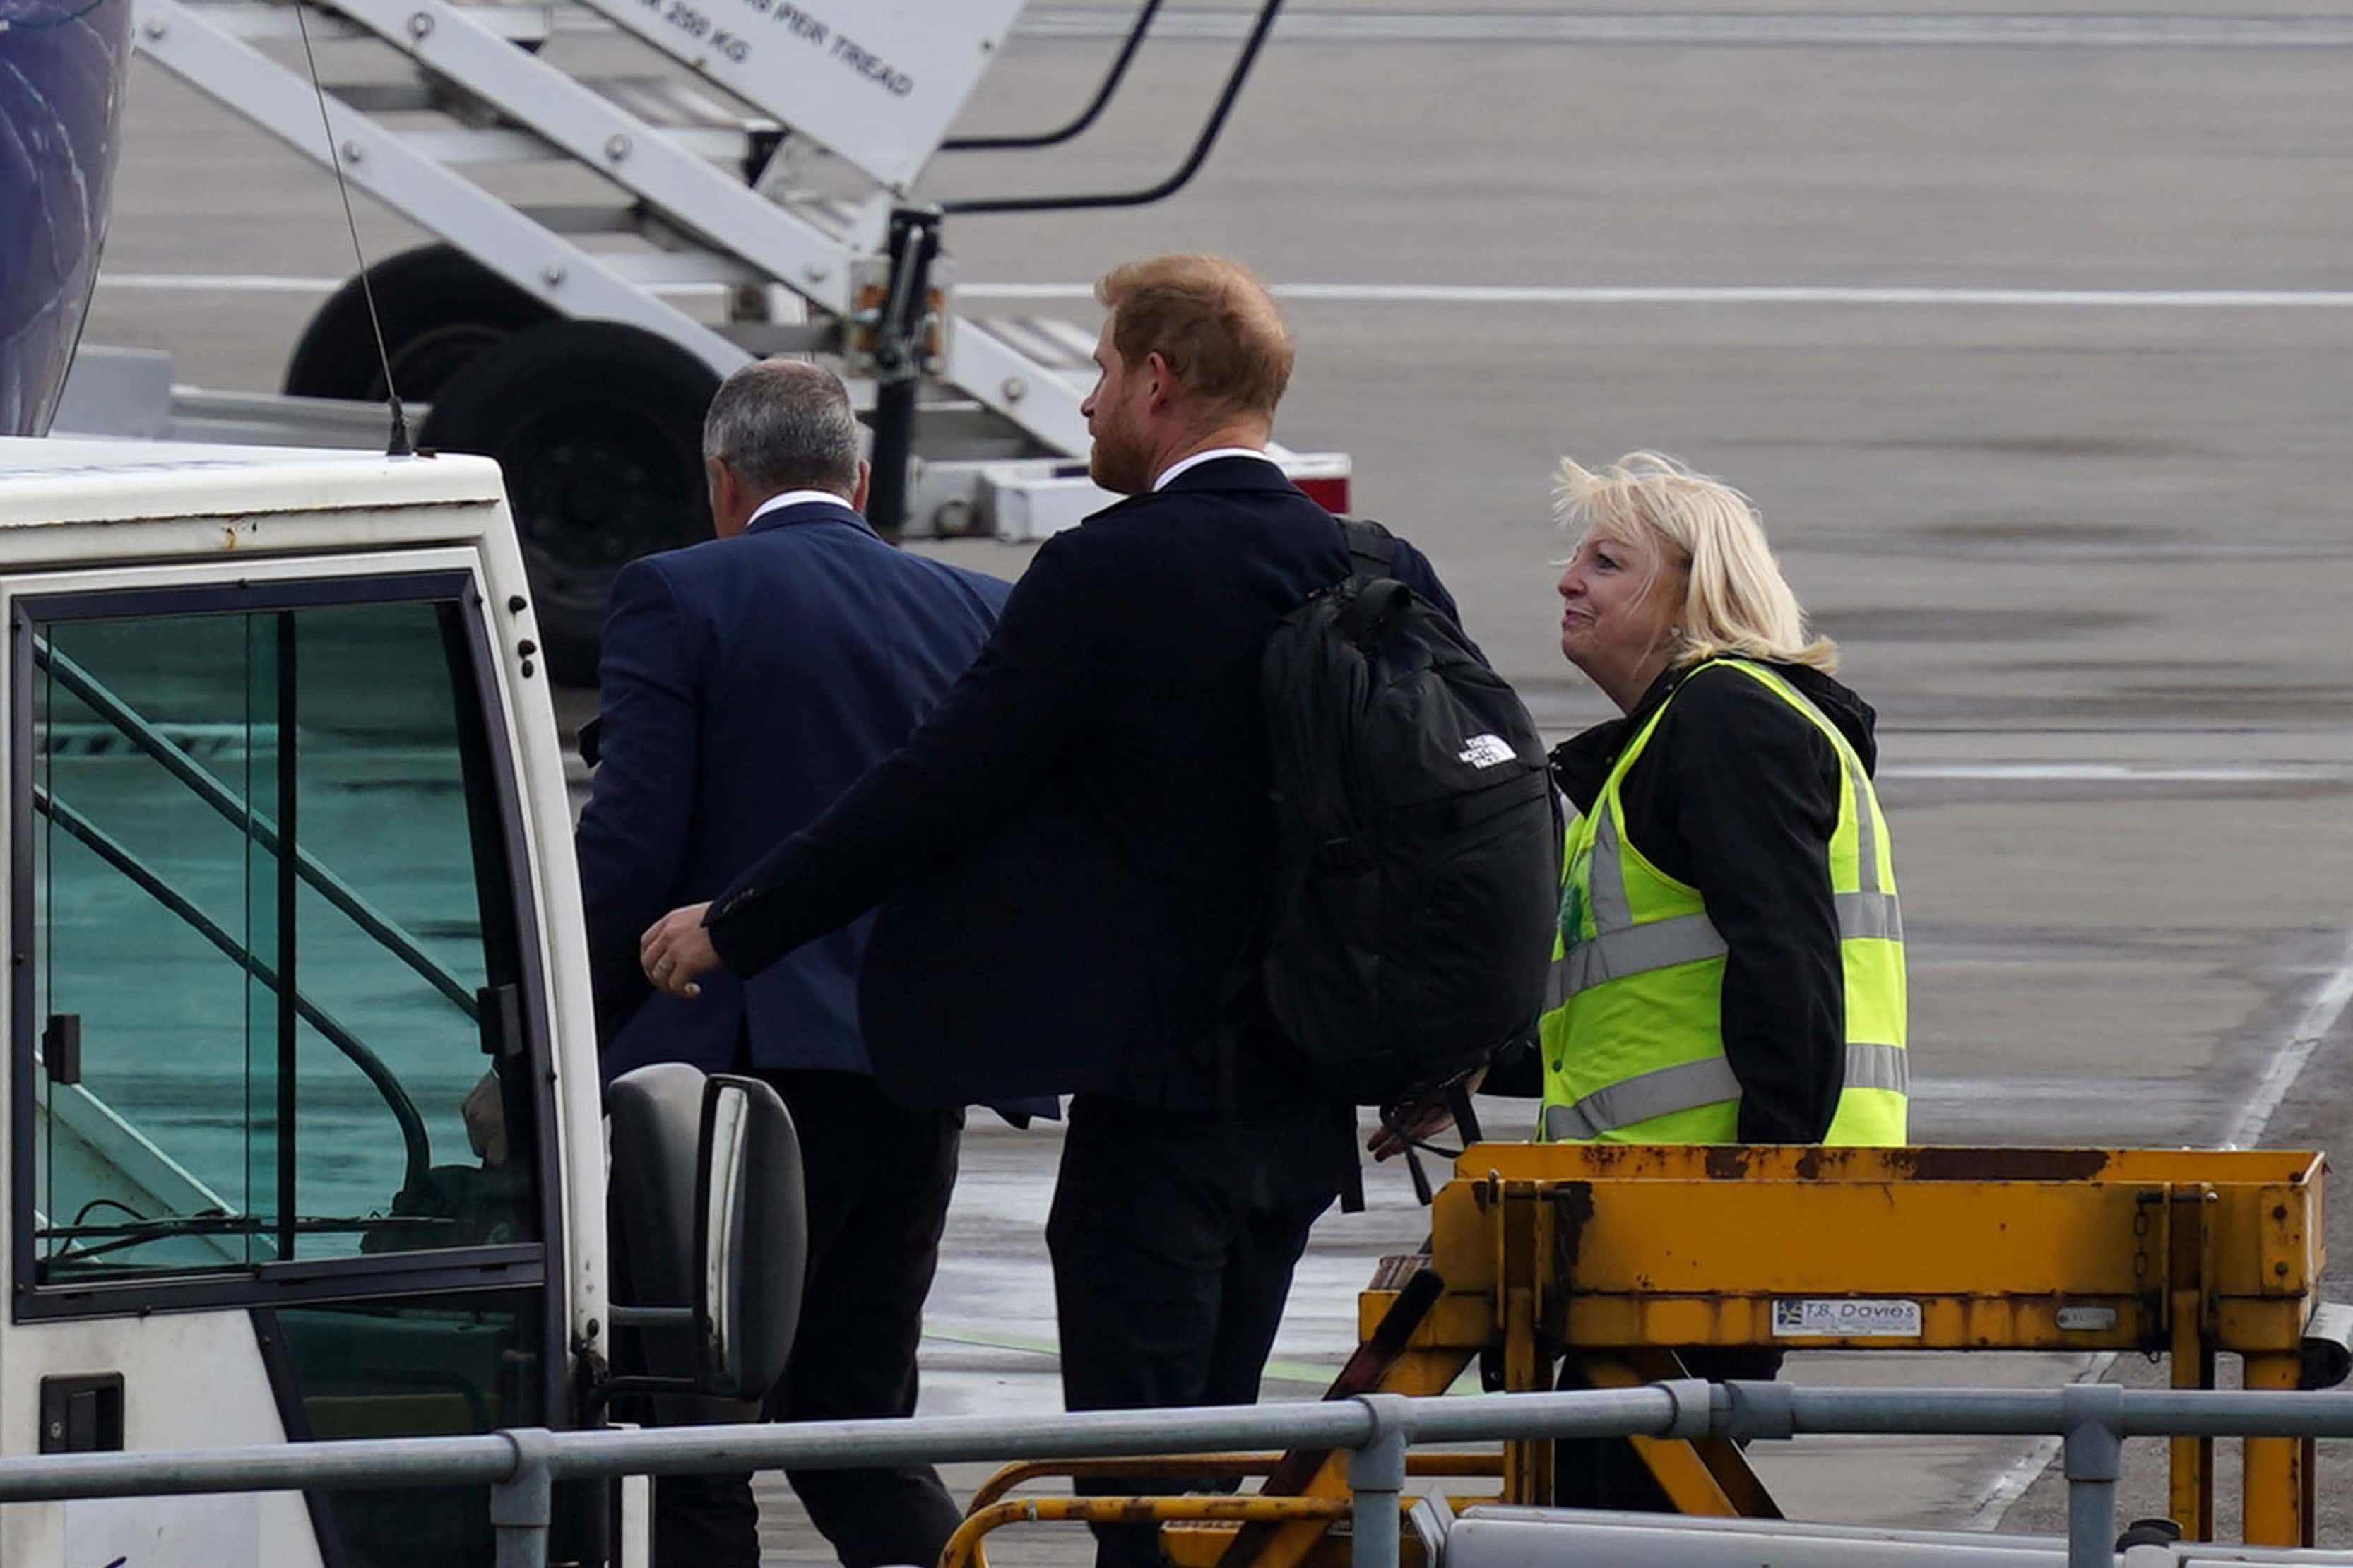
<point>301,1107</point>
<point>1614,1257</point>
<point>768,163</point>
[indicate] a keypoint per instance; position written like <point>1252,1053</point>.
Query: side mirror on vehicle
<point>709,1232</point>
<point>751,1236</point>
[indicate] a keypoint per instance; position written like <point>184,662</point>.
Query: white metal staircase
<point>749,199</point>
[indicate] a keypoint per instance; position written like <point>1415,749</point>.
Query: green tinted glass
<point>272,899</point>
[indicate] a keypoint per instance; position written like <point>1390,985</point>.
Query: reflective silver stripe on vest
<point>1869,874</point>
<point>1604,880</point>
<point>1878,1066</point>
<point>1870,915</point>
<point>1871,870</point>
<point>1605,876</point>
<point>1688,939</point>
<point>1663,1092</point>
<point>1660,944</point>
<point>1688,1086</point>
<point>1872,911</point>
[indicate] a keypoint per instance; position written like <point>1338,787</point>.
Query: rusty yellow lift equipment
<point>1616,1257</point>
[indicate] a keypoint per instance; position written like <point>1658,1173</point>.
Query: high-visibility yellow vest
<point>1632,1031</point>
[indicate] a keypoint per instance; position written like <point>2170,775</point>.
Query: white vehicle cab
<point>301,1109</point>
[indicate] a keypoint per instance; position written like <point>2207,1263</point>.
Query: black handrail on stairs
<point>234,809</point>
<point>1173,183</point>
<point>1111,82</point>
<point>415,1141</point>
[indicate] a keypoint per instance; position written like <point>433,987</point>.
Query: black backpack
<point>1417,870</point>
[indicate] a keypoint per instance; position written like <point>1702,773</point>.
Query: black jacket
<point>1075,843</point>
<point>1736,795</point>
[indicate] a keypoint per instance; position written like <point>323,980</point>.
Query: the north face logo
<point>1486,752</point>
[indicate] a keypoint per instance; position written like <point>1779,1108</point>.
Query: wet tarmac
<point>2077,520</point>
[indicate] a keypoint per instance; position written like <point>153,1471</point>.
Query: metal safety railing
<point>240,814</point>
<point>416,1144</point>
<point>150,740</point>
<point>521,1467</point>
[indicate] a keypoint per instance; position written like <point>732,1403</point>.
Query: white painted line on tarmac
<point>273,283</point>
<point>1281,1370</point>
<point>2321,1012</point>
<point>215,283</point>
<point>1996,1502</point>
<point>1816,28</point>
<point>1739,294</point>
<point>1702,29</point>
<point>2117,773</point>
<point>1467,293</point>
<point>2323,1009</point>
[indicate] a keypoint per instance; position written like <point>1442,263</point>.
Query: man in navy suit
<point>745,683</point>
<point>1075,846</point>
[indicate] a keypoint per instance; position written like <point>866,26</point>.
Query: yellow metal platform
<point>1617,1256</point>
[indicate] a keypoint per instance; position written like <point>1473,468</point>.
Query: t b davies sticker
<point>1833,1317</point>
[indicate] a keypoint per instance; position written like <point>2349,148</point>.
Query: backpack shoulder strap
<point>1372,549</point>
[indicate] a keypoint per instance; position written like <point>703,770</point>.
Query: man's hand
<point>675,949</point>
<point>1419,1120</point>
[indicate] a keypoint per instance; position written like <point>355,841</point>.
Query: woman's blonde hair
<point>1736,601</point>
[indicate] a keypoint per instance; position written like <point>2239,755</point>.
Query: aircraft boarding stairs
<point>745,198</point>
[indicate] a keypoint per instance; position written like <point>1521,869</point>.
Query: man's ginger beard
<point>1117,460</point>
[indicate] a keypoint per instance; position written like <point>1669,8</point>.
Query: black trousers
<point>878,1181</point>
<point>1173,1245</point>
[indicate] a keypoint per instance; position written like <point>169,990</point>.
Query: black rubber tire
<point>440,307</point>
<point>2148,1532</point>
<point>599,426</point>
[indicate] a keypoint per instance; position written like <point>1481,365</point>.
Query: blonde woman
<point>1730,966</point>
<point>1731,962</point>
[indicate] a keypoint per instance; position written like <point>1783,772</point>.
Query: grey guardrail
<point>521,1466</point>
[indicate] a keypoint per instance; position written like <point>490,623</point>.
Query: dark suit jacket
<point>746,682</point>
<point>1076,841</point>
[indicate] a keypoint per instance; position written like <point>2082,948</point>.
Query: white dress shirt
<point>795,497</point>
<point>1211,456</point>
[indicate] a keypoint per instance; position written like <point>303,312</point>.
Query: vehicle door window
<point>275,990</point>
<point>434,1366</point>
